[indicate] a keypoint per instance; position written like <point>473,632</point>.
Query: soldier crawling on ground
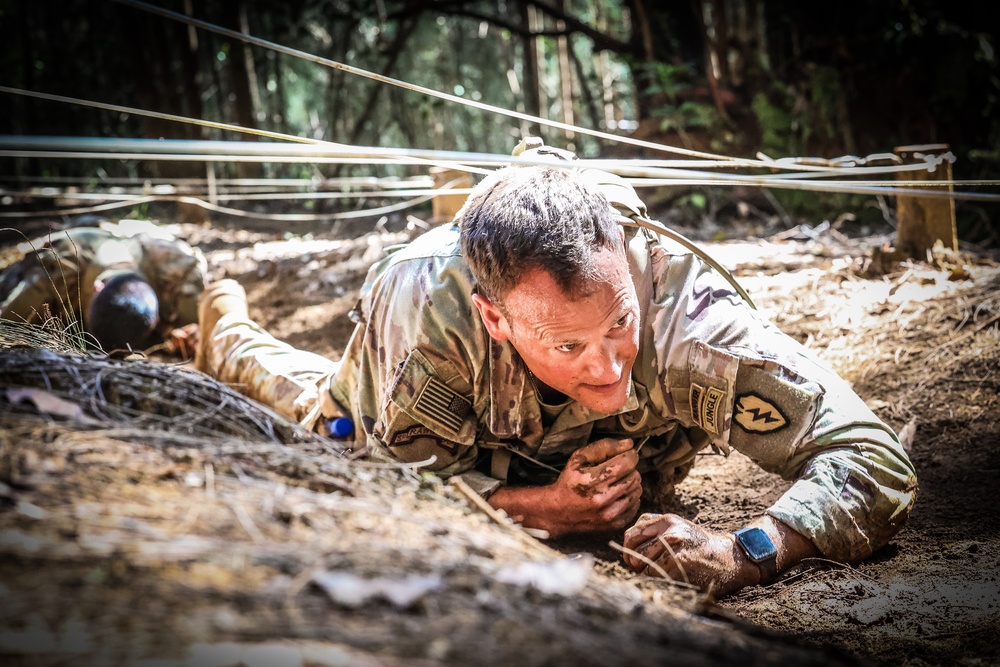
<point>125,285</point>
<point>568,365</point>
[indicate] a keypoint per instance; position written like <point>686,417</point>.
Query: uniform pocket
<point>420,394</point>
<point>703,391</point>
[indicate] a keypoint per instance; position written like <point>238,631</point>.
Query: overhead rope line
<point>205,123</point>
<point>187,199</point>
<point>650,177</point>
<point>320,151</point>
<point>795,163</point>
<point>242,196</point>
<point>804,167</point>
<point>205,150</point>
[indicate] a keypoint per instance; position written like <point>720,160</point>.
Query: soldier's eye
<point>567,347</point>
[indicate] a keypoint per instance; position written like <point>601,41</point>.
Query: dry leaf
<point>45,402</point>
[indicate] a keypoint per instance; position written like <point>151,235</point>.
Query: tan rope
<point>284,217</point>
<point>212,124</point>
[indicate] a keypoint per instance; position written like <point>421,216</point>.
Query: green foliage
<point>667,78</point>
<point>785,132</point>
<point>688,115</point>
<point>670,82</point>
<point>695,199</point>
<point>775,123</point>
<point>825,93</point>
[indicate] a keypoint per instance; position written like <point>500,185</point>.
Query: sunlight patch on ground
<point>285,249</point>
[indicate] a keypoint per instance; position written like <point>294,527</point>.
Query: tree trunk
<point>194,78</point>
<point>565,78</point>
<point>530,86</point>
<point>239,79</point>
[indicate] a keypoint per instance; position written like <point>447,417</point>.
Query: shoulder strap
<point>623,197</point>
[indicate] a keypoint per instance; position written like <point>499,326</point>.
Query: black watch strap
<point>768,570</point>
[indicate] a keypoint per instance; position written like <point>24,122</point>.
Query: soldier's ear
<point>496,324</point>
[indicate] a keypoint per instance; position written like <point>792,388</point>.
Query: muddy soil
<point>920,343</point>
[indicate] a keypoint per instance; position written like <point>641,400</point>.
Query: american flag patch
<point>440,405</point>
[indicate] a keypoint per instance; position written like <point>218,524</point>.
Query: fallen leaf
<point>353,591</point>
<point>45,402</point>
<point>906,435</point>
<point>558,577</point>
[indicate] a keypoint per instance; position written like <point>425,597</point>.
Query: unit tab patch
<point>707,408</point>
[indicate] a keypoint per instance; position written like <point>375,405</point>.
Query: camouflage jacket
<point>424,382</point>
<point>58,274</point>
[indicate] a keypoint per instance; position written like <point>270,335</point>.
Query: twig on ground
<point>647,561</point>
<point>528,538</point>
<point>673,557</point>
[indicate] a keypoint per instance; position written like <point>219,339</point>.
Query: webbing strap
<point>500,464</point>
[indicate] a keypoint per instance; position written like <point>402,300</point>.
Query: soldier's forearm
<point>562,508</point>
<point>792,547</point>
<point>530,506</point>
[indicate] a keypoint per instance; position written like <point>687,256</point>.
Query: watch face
<point>757,544</point>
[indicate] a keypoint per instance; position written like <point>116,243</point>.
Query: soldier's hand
<point>182,341</point>
<point>686,552</point>
<point>599,489</point>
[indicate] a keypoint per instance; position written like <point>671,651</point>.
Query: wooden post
<point>445,207</point>
<point>923,221</point>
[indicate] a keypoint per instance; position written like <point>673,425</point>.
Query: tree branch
<point>601,40</point>
<point>405,30</point>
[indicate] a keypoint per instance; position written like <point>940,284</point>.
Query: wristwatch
<point>760,550</point>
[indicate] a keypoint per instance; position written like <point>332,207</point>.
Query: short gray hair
<point>520,219</point>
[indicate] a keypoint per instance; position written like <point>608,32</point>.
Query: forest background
<point>736,77</point>
<point>131,534</point>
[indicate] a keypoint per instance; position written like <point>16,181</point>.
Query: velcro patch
<point>441,405</point>
<point>408,435</point>
<point>755,414</point>
<point>419,432</point>
<point>707,408</point>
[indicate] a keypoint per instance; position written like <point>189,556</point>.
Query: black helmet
<point>124,311</point>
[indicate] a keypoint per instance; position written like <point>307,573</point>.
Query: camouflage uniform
<point>59,273</point>
<point>293,382</point>
<point>424,382</point>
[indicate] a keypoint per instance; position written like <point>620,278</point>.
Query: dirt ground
<point>920,343</point>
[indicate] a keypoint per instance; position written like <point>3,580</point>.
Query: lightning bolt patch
<point>758,415</point>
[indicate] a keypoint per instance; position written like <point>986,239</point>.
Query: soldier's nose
<point>604,368</point>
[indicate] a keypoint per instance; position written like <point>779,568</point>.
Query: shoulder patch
<point>419,432</point>
<point>755,414</point>
<point>406,436</point>
<point>707,409</point>
<point>440,404</point>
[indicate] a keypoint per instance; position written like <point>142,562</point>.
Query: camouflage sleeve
<point>177,272</point>
<point>855,484</point>
<point>47,275</point>
<point>411,366</point>
<point>427,417</point>
<point>25,301</point>
<point>750,386</point>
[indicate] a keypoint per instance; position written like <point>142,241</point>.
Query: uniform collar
<point>514,405</point>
